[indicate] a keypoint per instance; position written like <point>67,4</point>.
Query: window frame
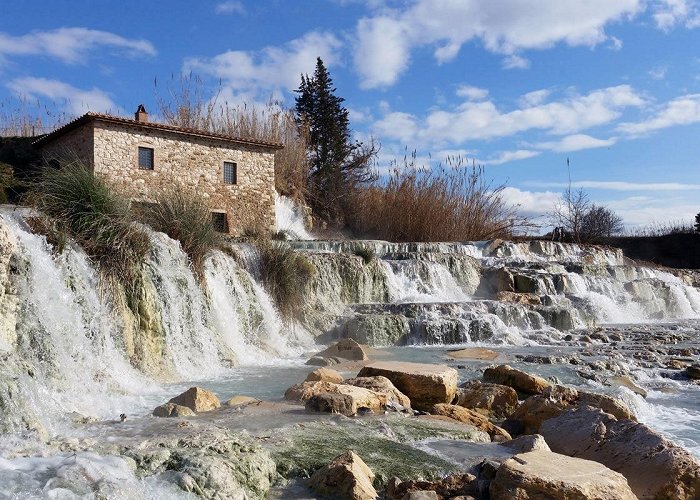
<point>138,157</point>
<point>223,229</point>
<point>235,173</point>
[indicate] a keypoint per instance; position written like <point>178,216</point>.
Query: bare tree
<point>600,222</point>
<point>570,212</point>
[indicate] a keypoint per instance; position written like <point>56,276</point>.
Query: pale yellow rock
<point>493,400</point>
<point>361,397</point>
<point>477,353</point>
<point>471,417</point>
<point>347,477</point>
<point>324,375</point>
<point>172,410</point>
<point>518,380</point>
<point>345,349</point>
<point>241,401</point>
<point>546,475</point>
<point>197,399</point>
<point>425,384</point>
<point>382,385</point>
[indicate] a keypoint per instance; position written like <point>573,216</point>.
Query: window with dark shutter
<point>230,173</point>
<point>145,158</point>
<point>219,221</point>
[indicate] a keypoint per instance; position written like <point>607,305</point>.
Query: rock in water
<point>653,466</point>
<point>361,397</point>
<point>324,375</point>
<point>493,400</point>
<point>693,372</point>
<point>523,444</point>
<point>242,401</point>
<point>518,380</point>
<point>172,410</point>
<point>197,400</point>
<point>344,404</point>
<point>453,486</point>
<point>381,385</point>
<point>345,349</point>
<point>471,417</point>
<point>546,475</point>
<point>477,353</point>
<point>425,384</point>
<point>346,477</point>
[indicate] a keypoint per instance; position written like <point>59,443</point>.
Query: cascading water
<point>290,219</point>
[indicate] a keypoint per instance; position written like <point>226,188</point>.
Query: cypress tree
<point>337,164</point>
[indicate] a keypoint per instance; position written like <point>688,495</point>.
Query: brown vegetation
<point>451,203</point>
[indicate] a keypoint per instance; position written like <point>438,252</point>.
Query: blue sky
<point>516,85</point>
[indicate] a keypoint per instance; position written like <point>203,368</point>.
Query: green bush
<point>82,206</point>
<point>285,274</point>
<point>185,217</point>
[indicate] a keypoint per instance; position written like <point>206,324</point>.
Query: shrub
<point>444,204</point>
<point>83,206</point>
<point>185,217</point>
<point>285,274</point>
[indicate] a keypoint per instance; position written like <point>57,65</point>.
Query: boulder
<point>242,401</point>
<point>343,404</point>
<point>558,399</point>
<point>346,477</point>
<point>345,349</point>
<point>524,444</point>
<point>519,298</point>
<point>172,410</point>
<point>493,400</point>
<point>382,385</point>
<point>693,372</point>
<point>476,353</point>
<point>653,466</point>
<point>197,400</point>
<point>425,384</point>
<point>471,417</point>
<point>362,397</point>
<point>324,375</point>
<point>520,381</point>
<point>546,475</point>
<point>452,486</point>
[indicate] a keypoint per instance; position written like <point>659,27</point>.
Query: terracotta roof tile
<point>90,116</point>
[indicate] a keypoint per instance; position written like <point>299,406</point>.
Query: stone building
<point>143,160</point>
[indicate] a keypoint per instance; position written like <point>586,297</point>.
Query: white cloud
<point>532,204</point>
<point>669,13</point>
<point>658,73</point>
<point>73,100</point>
<point>576,142</point>
<point>515,61</point>
<point>508,156</point>
<point>684,110</point>
<point>272,67</point>
<point>472,93</point>
<point>637,211</point>
<point>385,41</point>
<point>70,45</point>
<point>621,185</point>
<point>230,7</point>
<point>534,98</point>
<point>483,120</point>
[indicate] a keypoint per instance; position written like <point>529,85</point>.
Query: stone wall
<point>78,142</point>
<point>196,163</point>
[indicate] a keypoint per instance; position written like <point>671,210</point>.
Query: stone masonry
<point>191,159</point>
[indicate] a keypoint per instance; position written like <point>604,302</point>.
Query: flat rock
<point>535,410</point>
<point>425,384</point>
<point>345,349</point>
<point>197,399</point>
<point>471,417</point>
<point>452,486</point>
<point>493,400</point>
<point>519,298</point>
<point>324,375</point>
<point>381,385</point>
<point>653,465</point>
<point>546,475</point>
<point>346,477</point>
<point>361,396</point>
<point>476,353</point>
<point>342,404</point>
<point>172,410</point>
<point>242,401</point>
<point>524,444</point>
<point>693,372</point>
<point>520,381</point>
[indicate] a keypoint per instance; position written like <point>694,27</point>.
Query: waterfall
<point>290,219</point>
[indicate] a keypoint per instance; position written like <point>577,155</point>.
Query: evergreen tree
<point>337,164</point>
<point>697,223</point>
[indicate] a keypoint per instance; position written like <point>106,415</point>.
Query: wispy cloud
<point>619,185</point>
<point>74,100</point>
<point>684,110</point>
<point>576,142</point>
<point>508,156</point>
<point>71,45</point>
<point>230,7</point>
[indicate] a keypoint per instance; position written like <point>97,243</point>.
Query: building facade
<point>144,160</point>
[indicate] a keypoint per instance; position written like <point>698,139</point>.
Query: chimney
<point>141,115</point>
